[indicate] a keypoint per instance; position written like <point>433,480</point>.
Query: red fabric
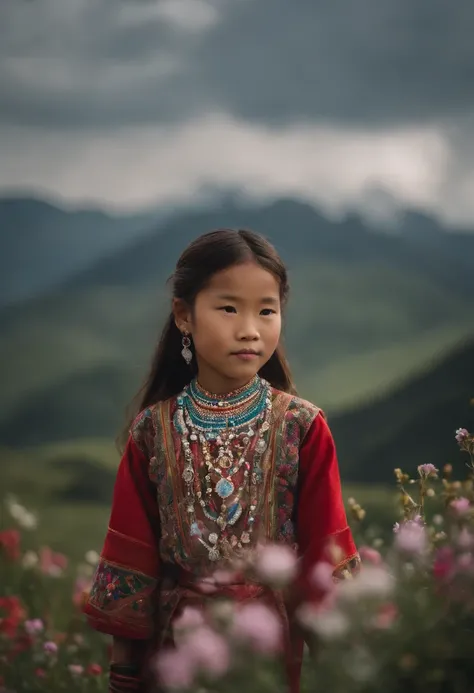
<point>321,516</point>
<point>131,541</point>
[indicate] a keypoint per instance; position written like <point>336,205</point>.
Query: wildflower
<point>94,670</point>
<point>370,555</point>
<point>34,626</point>
<point>372,582</point>
<point>189,619</point>
<point>258,626</point>
<point>443,565</point>
<point>276,565</point>
<point>438,520</point>
<point>76,669</point>
<point>411,538</point>
<point>92,557</point>
<point>322,576</point>
<point>82,588</point>
<point>465,539</point>
<point>208,651</point>
<point>461,435</point>
<point>20,514</point>
<point>329,624</point>
<point>40,673</point>
<point>461,506</point>
<point>29,560</point>
<point>10,543</point>
<point>427,470</point>
<point>386,615</point>
<point>51,563</point>
<point>12,614</point>
<point>50,647</point>
<point>174,669</point>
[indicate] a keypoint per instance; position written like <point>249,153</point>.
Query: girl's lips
<point>246,355</point>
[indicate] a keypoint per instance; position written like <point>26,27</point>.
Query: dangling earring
<point>186,352</point>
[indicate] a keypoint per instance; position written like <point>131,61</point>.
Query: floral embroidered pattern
<point>348,569</point>
<point>142,431</point>
<point>113,584</point>
<point>298,419</point>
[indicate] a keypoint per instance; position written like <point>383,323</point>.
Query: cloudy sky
<point>363,104</point>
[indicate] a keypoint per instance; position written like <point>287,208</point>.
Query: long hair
<point>210,253</point>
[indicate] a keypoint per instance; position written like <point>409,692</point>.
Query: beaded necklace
<point>237,425</point>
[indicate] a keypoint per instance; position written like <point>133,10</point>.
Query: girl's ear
<point>182,315</point>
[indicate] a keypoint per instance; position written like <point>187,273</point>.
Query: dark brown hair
<point>210,253</point>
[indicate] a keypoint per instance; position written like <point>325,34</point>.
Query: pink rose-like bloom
<point>34,626</point>
<point>51,563</point>
<point>76,669</point>
<point>427,470</point>
<point>411,538</point>
<point>174,669</point>
<point>322,576</point>
<point>189,618</point>
<point>259,626</point>
<point>50,647</point>
<point>369,555</point>
<point>276,565</point>
<point>465,539</point>
<point>462,434</point>
<point>208,651</point>
<point>461,506</point>
<point>443,566</point>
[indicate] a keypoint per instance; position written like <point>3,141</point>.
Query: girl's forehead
<point>245,278</point>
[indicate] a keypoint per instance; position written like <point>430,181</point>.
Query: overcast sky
<point>347,103</point>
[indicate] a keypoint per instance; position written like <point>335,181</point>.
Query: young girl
<point>221,455</point>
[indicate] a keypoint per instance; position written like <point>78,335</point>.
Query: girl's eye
<point>267,311</point>
<point>228,309</point>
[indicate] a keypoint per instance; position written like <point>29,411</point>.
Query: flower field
<point>406,621</point>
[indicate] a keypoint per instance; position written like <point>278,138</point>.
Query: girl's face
<point>235,326</point>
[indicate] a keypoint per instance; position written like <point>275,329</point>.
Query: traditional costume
<point>203,479</point>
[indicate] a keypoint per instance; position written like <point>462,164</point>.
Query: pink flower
<point>208,651</point>
<point>174,669</point>
<point>94,670</point>
<point>258,626</point>
<point>427,470</point>
<point>189,619</point>
<point>50,647</point>
<point>411,538</point>
<point>369,555</point>
<point>461,435</point>
<point>322,576</point>
<point>34,626</point>
<point>443,566</point>
<point>40,673</point>
<point>465,539</point>
<point>52,563</point>
<point>461,506</point>
<point>76,669</point>
<point>276,564</point>
<point>386,615</point>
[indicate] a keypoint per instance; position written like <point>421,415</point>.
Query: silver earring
<point>186,352</point>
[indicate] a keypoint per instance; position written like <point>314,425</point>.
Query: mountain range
<point>371,315</point>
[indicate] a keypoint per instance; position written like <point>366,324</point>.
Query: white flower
<point>372,581</point>
<point>329,624</point>
<point>30,559</point>
<point>92,557</point>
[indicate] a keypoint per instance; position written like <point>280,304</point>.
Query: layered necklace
<point>230,431</point>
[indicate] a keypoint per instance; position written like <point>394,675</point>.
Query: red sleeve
<point>322,530</point>
<point>121,598</point>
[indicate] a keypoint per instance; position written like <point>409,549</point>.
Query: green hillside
<point>413,425</point>
<point>366,310</point>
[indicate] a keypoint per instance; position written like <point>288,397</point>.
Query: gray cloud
<point>97,63</point>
